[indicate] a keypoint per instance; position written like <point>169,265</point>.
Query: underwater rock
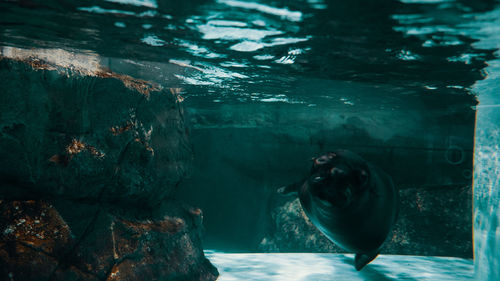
<point>292,231</point>
<point>37,244</point>
<point>421,209</point>
<point>424,208</point>
<point>69,128</point>
<point>33,243</point>
<point>89,159</point>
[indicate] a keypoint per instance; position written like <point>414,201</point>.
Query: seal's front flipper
<point>291,189</point>
<point>363,259</point>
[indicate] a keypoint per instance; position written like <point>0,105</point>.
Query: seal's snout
<point>344,198</point>
<point>339,198</point>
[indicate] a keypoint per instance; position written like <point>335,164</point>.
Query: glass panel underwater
<point>249,140</point>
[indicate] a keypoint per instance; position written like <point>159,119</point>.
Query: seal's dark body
<point>352,202</point>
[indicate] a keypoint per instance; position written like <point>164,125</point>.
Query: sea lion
<point>351,201</point>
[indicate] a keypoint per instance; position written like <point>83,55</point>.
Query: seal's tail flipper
<point>363,259</point>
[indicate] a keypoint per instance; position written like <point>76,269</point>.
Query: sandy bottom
<point>318,267</point>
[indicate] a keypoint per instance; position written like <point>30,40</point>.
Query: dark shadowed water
<point>269,84</point>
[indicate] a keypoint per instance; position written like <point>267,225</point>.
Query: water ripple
<point>281,12</point>
<point>211,32</point>
<point>143,3</point>
<point>153,40</point>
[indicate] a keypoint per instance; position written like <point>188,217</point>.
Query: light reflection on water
<point>487,156</point>
<point>304,267</point>
<point>268,42</point>
<point>215,34</point>
<point>145,3</point>
<point>280,12</point>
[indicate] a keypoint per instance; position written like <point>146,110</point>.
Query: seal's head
<point>337,179</point>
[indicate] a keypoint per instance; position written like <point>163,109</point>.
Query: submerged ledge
<point>85,63</point>
<point>308,266</point>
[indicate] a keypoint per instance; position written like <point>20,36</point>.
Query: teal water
<point>268,84</point>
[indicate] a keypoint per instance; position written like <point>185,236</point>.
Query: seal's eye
<point>337,171</point>
<point>363,177</point>
<point>320,160</point>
